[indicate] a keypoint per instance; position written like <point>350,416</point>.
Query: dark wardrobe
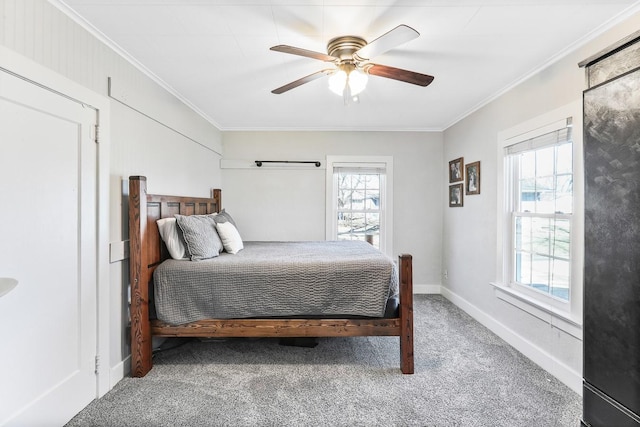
<point>611,393</point>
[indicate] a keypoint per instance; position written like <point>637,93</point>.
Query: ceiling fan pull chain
<point>346,93</point>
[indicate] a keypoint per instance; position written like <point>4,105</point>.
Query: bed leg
<point>141,343</point>
<point>406,314</point>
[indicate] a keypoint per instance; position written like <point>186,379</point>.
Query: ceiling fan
<point>350,55</point>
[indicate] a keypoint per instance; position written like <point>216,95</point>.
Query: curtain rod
<point>260,162</point>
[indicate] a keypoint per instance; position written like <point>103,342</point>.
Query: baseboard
<point>541,357</point>
<point>119,371</point>
<point>427,289</point>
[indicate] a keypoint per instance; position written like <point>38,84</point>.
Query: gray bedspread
<point>277,279</point>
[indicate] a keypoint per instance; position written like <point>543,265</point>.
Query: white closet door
<point>48,221</point>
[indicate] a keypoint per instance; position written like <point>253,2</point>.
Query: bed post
<point>216,194</point>
<point>406,313</point>
<point>139,278</point>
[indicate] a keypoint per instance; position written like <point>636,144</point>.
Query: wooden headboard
<point>146,249</point>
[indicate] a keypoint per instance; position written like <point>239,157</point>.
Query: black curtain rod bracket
<point>260,162</point>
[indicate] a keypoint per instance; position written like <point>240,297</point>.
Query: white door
<point>48,221</point>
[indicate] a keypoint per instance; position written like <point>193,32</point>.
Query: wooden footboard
<point>147,251</point>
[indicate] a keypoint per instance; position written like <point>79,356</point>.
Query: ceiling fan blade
<point>399,35</point>
<point>399,74</point>
<point>294,84</point>
<point>304,52</point>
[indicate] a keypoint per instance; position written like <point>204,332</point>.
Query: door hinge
<point>95,133</point>
<point>97,360</point>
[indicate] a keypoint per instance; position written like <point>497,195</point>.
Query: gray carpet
<point>465,376</point>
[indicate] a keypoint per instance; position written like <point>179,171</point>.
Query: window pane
<point>344,199</point>
<point>344,180</point>
<point>373,200</point>
<point>373,181</point>
<point>373,223</point>
<point>540,237</point>
<point>357,200</point>
<point>347,236</point>
<point>523,267</point>
<point>360,182</point>
<point>357,223</point>
<point>545,188</point>
<point>562,240</point>
<point>564,159</point>
<point>545,161</point>
<point>528,195</point>
<point>344,223</point>
<point>523,234</point>
<point>528,164</point>
<point>540,272</point>
<point>560,279</point>
<point>564,194</point>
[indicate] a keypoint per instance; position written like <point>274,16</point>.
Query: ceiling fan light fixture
<point>337,82</point>
<point>355,79</point>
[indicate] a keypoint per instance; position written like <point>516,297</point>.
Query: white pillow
<point>230,237</point>
<point>171,237</point>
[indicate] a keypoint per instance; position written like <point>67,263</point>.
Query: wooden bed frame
<point>147,251</point>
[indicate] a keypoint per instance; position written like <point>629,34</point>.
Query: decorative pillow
<point>230,237</point>
<point>223,216</point>
<point>200,236</point>
<point>172,238</point>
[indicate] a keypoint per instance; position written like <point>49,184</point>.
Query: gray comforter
<point>277,279</point>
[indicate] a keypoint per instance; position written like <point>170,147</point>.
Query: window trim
<point>528,299</point>
<point>386,196</point>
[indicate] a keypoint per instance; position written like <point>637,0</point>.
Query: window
<point>358,200</point>
<point>358,204</point>
<point>540,171</point>
<point>540,222</point>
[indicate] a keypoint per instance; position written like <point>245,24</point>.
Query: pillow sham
<point>230,237</point>
<point>199,231</point>
<point>172,238</point>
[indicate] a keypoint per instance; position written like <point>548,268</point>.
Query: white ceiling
<point>215,54</point>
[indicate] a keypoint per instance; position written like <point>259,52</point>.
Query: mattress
<point>278,279</point>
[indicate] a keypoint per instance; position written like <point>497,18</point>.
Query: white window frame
<point>564,315</point>
<point>386,195</point>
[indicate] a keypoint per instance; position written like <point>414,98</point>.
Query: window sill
<point>551,315</point>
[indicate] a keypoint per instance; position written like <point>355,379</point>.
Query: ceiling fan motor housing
<point>345,46</point>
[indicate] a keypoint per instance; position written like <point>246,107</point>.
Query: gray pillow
<point>200,235</point>
<point>224,216</point>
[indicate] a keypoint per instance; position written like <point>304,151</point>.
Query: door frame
<point>46,78</point>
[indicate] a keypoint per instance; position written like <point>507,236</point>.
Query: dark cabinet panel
<point>612,241</point>
<point>600,410</point>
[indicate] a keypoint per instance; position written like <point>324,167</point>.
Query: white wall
<point>150,132</point>
<point>289,204</point>
<point>470,245</point>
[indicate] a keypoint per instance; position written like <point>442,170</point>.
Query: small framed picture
<point>456,195</point>
<point>455,170</point>
<point>472,173</point>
